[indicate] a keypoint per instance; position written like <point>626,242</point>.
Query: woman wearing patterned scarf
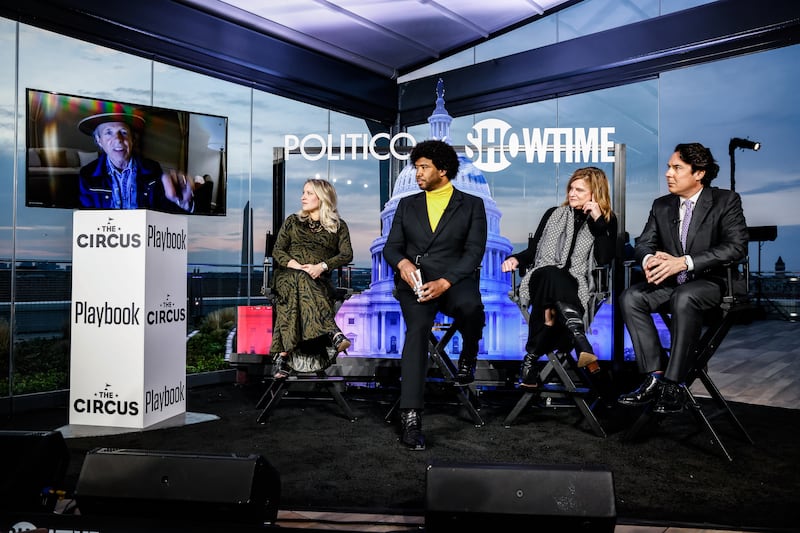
<point>570,241</point>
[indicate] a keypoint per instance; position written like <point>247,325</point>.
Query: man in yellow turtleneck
<point>442,232</point>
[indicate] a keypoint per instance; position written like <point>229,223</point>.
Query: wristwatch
<point>324,266</point>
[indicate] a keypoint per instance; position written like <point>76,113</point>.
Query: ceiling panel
<point>388,37</point>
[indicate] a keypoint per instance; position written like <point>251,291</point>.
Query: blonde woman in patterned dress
<point>310,244</point>
<point>569,241</point>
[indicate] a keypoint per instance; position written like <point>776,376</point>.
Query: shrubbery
<point>42,364</point>
<point>205,351</point>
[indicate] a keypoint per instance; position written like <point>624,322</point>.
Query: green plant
<point>40,364</point>
<point>205,351</point>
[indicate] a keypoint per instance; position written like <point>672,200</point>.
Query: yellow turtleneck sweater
<point>437,200</point>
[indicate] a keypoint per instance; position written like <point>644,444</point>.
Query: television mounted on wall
<point>67,167</point>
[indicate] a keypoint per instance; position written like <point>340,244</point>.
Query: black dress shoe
<point>466,370</point>
<point>411,429</point>
<point>646,393</point>
<point>670,400</point>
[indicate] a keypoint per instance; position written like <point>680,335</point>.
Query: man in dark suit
<point>442,233</point>
<point>687,280</point>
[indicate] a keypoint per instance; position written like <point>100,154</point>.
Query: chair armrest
<point>737,282</point>
<point>265,290</point>
<point>602,280</point>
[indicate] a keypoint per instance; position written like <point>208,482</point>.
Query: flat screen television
<point>62,154</point>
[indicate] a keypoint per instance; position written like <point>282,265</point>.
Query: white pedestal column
<point>128,318</point>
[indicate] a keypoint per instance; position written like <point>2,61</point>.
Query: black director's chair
<point>561,379</point>
<point>318,380</point>
<point>439,359</point>
<point>735,303</point>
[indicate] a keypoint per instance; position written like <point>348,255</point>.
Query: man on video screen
<point>120,178</point>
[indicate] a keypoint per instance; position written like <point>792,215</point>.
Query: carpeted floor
<point>326,462</point>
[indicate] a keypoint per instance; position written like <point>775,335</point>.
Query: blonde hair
<point>328,213</point>
<point>598,185</point>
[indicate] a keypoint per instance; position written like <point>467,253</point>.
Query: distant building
<point>780,267</point>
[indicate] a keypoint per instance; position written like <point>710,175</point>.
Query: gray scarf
<point>553,250</point>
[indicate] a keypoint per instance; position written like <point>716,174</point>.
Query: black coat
<point>453,252</point>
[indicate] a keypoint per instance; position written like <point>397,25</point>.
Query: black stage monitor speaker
<point>32,467</point>
<point>506,497</point>
<point>178,486</point>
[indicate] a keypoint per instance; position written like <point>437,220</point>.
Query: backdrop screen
<point>65,165</point>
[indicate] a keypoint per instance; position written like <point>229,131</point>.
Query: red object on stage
<point>254,329</point>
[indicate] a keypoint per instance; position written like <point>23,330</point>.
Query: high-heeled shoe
<point>282,368</point>
<point>572,319</point>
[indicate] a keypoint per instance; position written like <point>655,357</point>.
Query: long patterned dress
<point>304,314</point>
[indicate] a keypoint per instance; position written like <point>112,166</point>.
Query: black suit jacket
<point>454,251</point>
<point>717,232</point>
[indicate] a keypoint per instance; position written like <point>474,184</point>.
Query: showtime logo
<point>492,142</point>
<point>491,145</point>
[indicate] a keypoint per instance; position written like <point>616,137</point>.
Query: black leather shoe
<point>529,377</point>
<point>466,370</point>
<point>646,393</point>
<point>411,429</point>
<point>670,400</point>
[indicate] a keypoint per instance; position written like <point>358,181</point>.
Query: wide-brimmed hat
<point>88,125</point>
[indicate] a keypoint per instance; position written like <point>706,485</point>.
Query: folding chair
<point>735,303</point>
<point>316,381</point>
<point>560,377</point>
<point>439,359</point>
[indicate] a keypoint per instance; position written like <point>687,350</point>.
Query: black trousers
<point>687,305</point>
<point>462,301</point>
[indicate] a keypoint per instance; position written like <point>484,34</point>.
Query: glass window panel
<point>715,102</point>
<point>218,239</point>
<point>357,183</point>
<point>7,90</point>
<point>46,233</point>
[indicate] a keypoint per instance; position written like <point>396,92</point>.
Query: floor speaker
<point>32,468</point>
<point>507,497</point>
<point>190,487</point>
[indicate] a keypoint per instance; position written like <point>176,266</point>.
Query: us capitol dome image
<point>372,319</point>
